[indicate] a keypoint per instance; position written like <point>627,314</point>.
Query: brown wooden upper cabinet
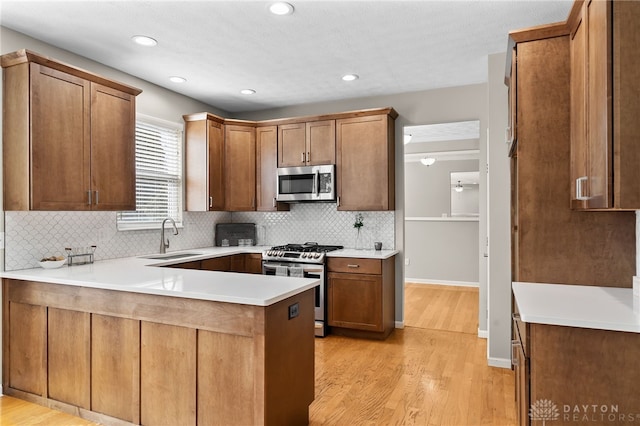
<point>307,144</point>
<point>266,166</point>
<point>68,136</point>
<point>605,82</point>
<point>240,166</point>
<point>365,162</point>
<point>204,157</point>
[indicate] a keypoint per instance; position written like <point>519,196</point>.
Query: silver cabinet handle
<point>352,266</point>
<point>89,198</point>
<point>302,157</point>
<point>515,316</point>
<point>338,201</point>
<point>580,188</point>
<point>210,201</point>
<point>274,201</point>
<point>308,157</point>
<point>515,345</point>
<point>97,197</point>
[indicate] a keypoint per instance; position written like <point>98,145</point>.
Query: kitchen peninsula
<point>126,341</point>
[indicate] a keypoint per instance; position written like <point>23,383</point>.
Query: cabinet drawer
<point>354,265</point>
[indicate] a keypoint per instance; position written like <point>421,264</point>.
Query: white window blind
<point>158,175</point>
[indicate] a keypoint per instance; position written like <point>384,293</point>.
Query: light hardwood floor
<point>432,372</point>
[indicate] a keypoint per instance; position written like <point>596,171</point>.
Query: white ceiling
<point>221,47</point>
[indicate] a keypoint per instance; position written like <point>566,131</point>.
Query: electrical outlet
<point>294,310</point>
<point>1,240</point>
<point>407,261</point>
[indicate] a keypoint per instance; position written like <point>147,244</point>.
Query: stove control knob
<point>280,253</point>
<point>316,256</point>
<point>305,255</point>
<point>269,252</point>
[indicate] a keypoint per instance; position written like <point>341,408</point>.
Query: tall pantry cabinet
<point>551,242</point>
<point>68,138</point>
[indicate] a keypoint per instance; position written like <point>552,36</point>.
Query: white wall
<point>438,251</point>
<point>499,288</point>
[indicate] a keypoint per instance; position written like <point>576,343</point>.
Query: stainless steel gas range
<point>302,260</point>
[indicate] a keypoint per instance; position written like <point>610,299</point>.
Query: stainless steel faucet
<point>165,245</point>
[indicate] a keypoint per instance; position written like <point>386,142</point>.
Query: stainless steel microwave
<point>310,183</point>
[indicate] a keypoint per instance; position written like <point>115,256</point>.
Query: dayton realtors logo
<point>546,410</point>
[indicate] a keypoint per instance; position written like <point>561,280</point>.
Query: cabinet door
<point>215,136</point>
<point>292,145</point>
<point>579,178</point>
<point>115,367</point>
<point>60,140</point>
<point>216,264</point>
<point>266,165</point>
<point>240,168</point>
<point>168,375</point>
<point>365,163</point>
<point>69,353</point>
<point>253,263</point>
<point>521,367</point>
<point>321,142</point>
<point>204,165</point>
<point>113,149</point>
<point>355,301</point>
<point>599,136</point>
<point>237,263</point>
<point>27,347</point>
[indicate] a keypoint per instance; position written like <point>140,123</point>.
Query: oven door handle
<point>304,268</point>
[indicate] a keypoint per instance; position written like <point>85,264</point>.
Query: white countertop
<point>364,254</point>
<point>603,308</point>
<point>140,275</point>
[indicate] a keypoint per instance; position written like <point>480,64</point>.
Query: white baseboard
<point>441,282</point>
<point>483,334</point>
<point>499,362</point>
<point>399,324</point>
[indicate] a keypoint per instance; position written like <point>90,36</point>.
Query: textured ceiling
<point>221,47</point>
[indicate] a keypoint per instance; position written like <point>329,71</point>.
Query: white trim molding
<point>483,334</point>
<point>499,362</point>
<point>441,282</point>
<point>443,219</point>
<point>399,324</point>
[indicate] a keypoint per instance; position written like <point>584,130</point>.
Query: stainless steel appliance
<point>310,183</point>
<point>302,260</point>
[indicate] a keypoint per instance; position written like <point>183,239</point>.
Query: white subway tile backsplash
<point>29,236</point>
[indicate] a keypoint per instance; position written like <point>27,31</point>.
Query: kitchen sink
<point>171,256</point>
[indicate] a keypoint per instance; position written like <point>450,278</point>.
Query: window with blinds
<point>158,175</point>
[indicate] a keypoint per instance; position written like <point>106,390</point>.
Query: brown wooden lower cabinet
<point>69,356</point>
<point>577,376</point>
<point>129,358</point>
<point>247,263</point>
<point>25,325</point>
<point>115,367</point>
<point>168,374</point>
<point>361,296</point>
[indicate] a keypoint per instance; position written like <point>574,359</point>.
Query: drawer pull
<point>515,345</point>
<point>515,316</point>
<point>352,266</point>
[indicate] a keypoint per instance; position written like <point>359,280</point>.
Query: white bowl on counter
<point>52,264</point>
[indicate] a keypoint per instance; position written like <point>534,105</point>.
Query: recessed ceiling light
<point>281,8</point>
<point>350,77</point>
<point>177,79</point>
<point>144,40</point>
<point>247,91</point>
